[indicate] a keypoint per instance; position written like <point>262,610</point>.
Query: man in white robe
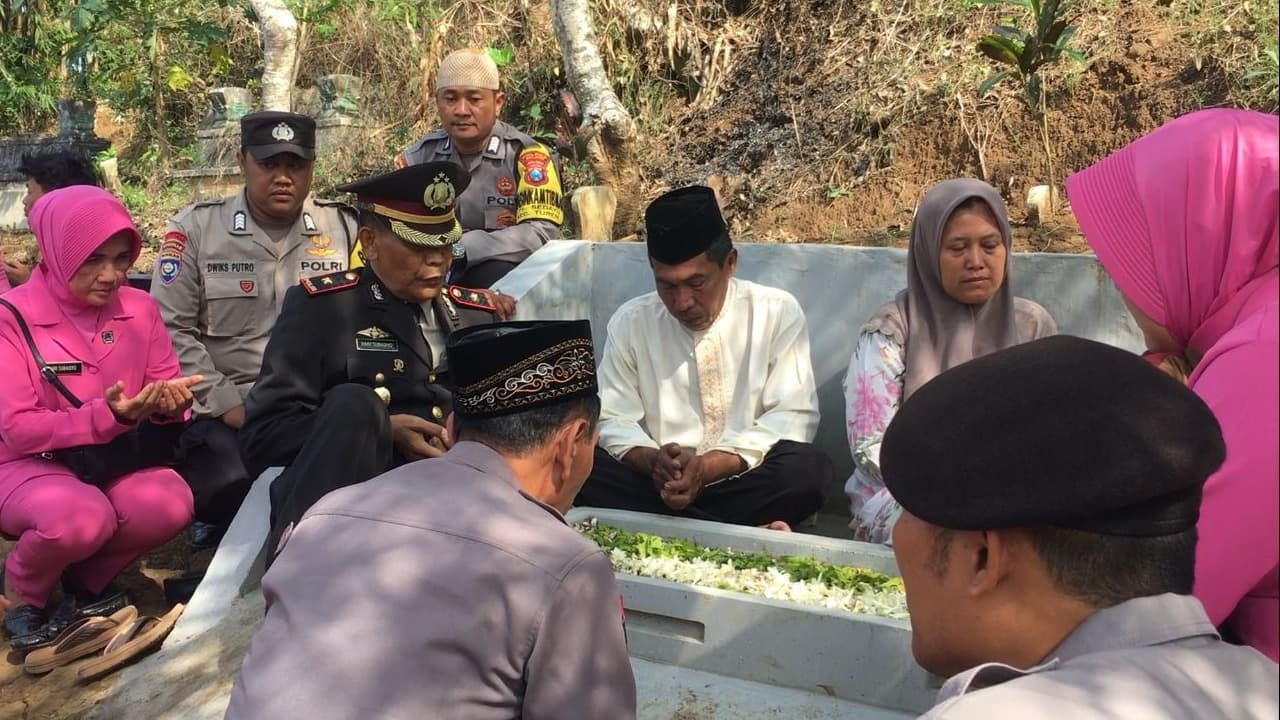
<point>709,405</point>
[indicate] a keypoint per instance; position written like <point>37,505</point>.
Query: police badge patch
<point>539,193</point>
<point>169,261</point>
<point>282,133</point>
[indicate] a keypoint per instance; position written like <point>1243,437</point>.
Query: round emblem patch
<point>506,186</point>
<point>282,132</point>
<point>534,164</point>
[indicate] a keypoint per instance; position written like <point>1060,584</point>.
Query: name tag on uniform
<point>68,367</point>
<point>230,267</point>
<point>375,339</point>
<point>377,345</point>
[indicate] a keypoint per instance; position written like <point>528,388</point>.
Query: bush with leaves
<point>1025,53</point>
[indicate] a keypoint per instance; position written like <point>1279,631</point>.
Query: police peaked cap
<point>1060,432</point>
<point>419,201</point>
<point>271,132</point>
<point>683,224</point>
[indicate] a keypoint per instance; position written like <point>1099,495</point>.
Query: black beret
<point>683,224</point>
<point>516,366</point>
<point>271,132</point>
<point>418,200</point>
<point>1061,432</point>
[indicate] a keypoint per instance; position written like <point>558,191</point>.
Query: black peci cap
<point>271,132</point>
<point>1060,432</point>
<point>683,224</point>
<point>516,366</point>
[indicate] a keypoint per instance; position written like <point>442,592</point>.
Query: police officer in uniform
<point>354,380</point>
<point>513,204</point>
<point>1047,545</point>
<point>220,281</point>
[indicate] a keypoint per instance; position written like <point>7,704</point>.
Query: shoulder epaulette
<point>339,205</point>
<point>329,202</point>
<point>332,282</point>
<point>475,298</point>
<point>526,142</point>
<point>187,210</point>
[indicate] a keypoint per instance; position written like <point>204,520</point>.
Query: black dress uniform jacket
<point>341,344</point>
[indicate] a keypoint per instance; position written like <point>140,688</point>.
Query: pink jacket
<point>129,343</point>
<point>1185,221</point>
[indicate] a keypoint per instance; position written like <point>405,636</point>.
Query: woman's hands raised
<point>162,397</point>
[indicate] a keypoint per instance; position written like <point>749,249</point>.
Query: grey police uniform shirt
<point>220,283</point>
<point>513,204</point>
<point>462,598</point>
<point>1152,658</point>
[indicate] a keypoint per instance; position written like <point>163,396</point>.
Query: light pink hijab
<point>69,225</point>
<point>1185,221</point>
<point>936,331</point>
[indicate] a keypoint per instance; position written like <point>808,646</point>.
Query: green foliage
<point>1263,76</point>
<point>31,46</point>
<point>502,56</point>
<point>800,568</point>
<point>834,192</point>
<point>1026,52</point>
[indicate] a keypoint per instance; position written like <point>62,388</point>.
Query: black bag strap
<point>45,371</point>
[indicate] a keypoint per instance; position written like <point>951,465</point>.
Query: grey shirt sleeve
<point>579,666</point>
<point>180,301</point>
<point>512,244</point>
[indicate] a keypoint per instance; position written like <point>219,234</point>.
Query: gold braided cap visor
<point>442,229</point>
<point>423,238</point>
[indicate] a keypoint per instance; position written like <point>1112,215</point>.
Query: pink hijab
<point>1205,185</point>
<point>1185,221</point>
<point>69,225</point>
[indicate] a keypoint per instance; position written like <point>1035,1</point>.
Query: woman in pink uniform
<point>1185,222</point>
<point>108,345</point>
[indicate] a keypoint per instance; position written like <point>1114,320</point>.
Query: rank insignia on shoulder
<point>321,284</point>
<point>473,298</point>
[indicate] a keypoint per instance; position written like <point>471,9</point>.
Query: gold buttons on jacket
<point>436,412</point>
<point>431,378</point>
<point>379,378</point>
<point>384,394</point>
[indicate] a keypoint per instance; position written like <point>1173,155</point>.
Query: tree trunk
<point>608,127</point>
<point>279,31</point>
<point>594,209</point>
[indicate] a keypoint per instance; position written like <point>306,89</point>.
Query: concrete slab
<point>667,692</point>
<point>188,680</point>
<point>13,218</point>
<point>235,569</point>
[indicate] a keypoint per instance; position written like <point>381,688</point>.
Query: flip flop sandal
<point>134,639</point>
<point>83,637</point>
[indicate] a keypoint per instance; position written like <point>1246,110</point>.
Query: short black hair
<point>719,250</point>
<point>56,170</point>
<point>522,432</point>
<point>1102,570</point>
<point>369,218</point>
<point>1106,570</point>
